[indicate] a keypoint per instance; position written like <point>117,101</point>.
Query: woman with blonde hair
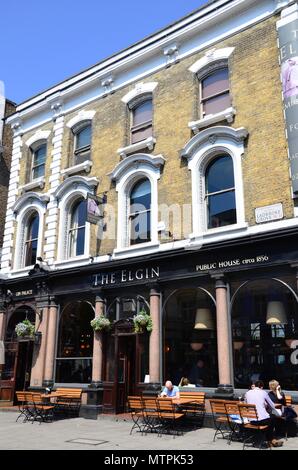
<point>276,395</point>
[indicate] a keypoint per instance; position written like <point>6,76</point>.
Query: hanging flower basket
<point>100,323</point>
<point>142,321</point>
<point>25,330</point>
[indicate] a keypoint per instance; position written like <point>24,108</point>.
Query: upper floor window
<point>140,212</point>
<point>141,121</point>
<point>220,192</point>
<point>215,92</point>
<point>31,240</point>
<point>82,143</point>
<point>77,228</point>
<point>39,161</point>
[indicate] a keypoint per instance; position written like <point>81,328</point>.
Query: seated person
<point>260,398</point>
<point>276,395</point>
<point>170,390</point>
<point>288,413</point>
<point>184,382</point>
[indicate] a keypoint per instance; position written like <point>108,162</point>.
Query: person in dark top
<point>275,393</point>
<point>287,423</point>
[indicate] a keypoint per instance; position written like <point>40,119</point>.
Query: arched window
<point>141,121</point>
<point>265,334</point>
<point>76,234</point>
<point>38,161</point>
<point>75,344</point>
<point>31,240</point>
<point>190,343</point>
<point>140,212</point>
<point>82,143</point>
<point>215,92</point>
<point>220,192</point>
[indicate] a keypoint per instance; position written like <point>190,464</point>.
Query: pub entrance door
<point>125,370</point>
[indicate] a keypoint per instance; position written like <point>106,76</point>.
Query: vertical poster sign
<point>287,29</point>
<point>94,209</point>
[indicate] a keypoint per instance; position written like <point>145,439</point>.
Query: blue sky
<point>45,41</point>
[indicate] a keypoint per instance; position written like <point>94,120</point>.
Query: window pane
<point>74,371</point>
<point>215,83</point>
<point>79,214</point>
<point>217,104</point>
<point>140,228</point>
<point>80,241</point>
<point>77,235</point>
<point>34,227</point>
<point>221,209</point>
<point>269,353</point>
<point>220,174</point>
<point>38,171</point>
<point>83,137</point>
<point>40,155</point>
<point>141,134</point>
<point>142,113</point>
<point>140,197</point>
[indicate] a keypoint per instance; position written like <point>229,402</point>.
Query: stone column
<point>39,352</point>
<point>51,344</point>
<point>223,336</point>
<point>154,345</point>
<point>98,342</point>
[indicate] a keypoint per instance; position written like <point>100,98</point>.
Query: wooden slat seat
<point>135,407</point>
<point>69,399</point>
<point>168,415</point>
<point>195,411</point>
<point>248,412</point>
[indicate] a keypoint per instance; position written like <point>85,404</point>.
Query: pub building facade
<point>159,180</point>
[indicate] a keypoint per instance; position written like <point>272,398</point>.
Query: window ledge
<point>136,250</point>
<point>21,271</point>
<point>76,261</point>
<point>147,143</point>
<point>226,230</point>
<point>37,183</point>
<point>225,115</point>
<point>72,170</point>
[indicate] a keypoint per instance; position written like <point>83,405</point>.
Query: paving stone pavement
<point>105,433</point>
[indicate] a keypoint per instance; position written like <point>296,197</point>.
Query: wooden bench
<point>196,409</point>
<point>69,399</point>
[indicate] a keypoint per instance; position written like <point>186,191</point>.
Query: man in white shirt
<point>258,397</point>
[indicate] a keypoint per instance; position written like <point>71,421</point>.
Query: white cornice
<point>206,25</point>
<point>39,135</point>
<point>212,134</point>
<point>135,161</point>
<point>139,89</point>
<point>143,144</point>
<point>29,199</point>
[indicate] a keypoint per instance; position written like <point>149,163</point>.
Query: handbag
<point>289,413</point>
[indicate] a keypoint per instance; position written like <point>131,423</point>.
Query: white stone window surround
<point>211,61</point>
<point>38,139</point>
<point>141,92</point>
<point>82,119</point>
<point>23,209</point>
<point>70,191</point>
<point>126,174</point>
<point>199,151</point>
